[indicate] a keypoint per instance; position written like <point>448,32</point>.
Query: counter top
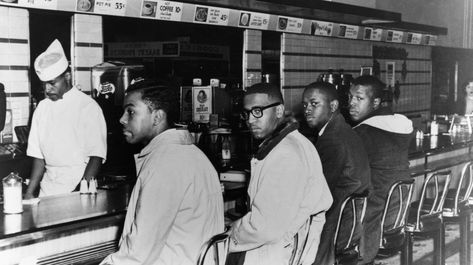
<point>54,211</point>
<point>431,145</point>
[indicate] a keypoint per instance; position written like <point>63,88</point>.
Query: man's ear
<point>159,116</point>
<point>333,105</point>
<point>280,111</point>
<point>68,76</point>
<point>376,103</point>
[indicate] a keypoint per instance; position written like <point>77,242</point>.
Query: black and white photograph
<point>256,132</point>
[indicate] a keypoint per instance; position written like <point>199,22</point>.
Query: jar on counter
<point>12,193</point>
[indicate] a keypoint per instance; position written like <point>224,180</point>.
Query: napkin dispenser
<point>233,176</point>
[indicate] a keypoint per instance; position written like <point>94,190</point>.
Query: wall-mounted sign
<point>201,103</point>
<point>289,24</point>
<point>430,39</point>
<point>45,4</point>
<point>390,73</point>
<point>321,28</point>
<point>211,15</point>
<point>376,34</point>
<point>169,10</point>
<point>367,33</point>
<point>107,7</point>
<point>253,20</point>
<point>394,36</point>
<point>366,70</point>
<point>413,38</point>
<point>142,49</point>
<point>348,31</point>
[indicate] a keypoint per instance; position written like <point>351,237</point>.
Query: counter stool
<point>393,236</point>
<point>220,244</point>
<point>425,218</point>
<point>355,205</point>
<point>457,209</point>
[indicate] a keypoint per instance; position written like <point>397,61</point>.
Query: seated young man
<point>386,138</point>
<point>287,185</point>
<point>344,161</point>
<point>176,204</point>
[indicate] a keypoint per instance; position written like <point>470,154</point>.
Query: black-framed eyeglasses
<point>257,112</point>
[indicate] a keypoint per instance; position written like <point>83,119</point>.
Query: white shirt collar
<point>323,128</point>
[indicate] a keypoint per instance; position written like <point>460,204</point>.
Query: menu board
<point>107,7</point>
<point>163,10</point>
<point>289,24</point>
<point>413,38</point>
<point>201,103</point>
<point>253,20</point>
<point>395,36</point>
<point>211,15</point>
<point>321,28</point>
<point>46,4</point>
<point>348,31</point>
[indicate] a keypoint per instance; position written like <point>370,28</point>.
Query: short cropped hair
<point>158,94</point>
<point>271,90</point>
<point>375,85</point>
<point>326,88</point>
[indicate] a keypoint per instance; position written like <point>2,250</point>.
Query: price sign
<point>413,38</point>
<point>110,7</point>
<point>45,4</point>
<point>430,39</point>
<point>218,16</point>
<point>290,24</point>
<point>348,31</point>
<point>395,36</point>
<point>169,10</point>
<point>376,34</point>
<point>211,15</point>
<point>253,20</point>
<point>321,28</point>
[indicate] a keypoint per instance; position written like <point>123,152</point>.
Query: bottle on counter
<point>12,193</point>
<point>434,127</point>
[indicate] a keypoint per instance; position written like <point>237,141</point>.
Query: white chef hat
<point>51,63</point>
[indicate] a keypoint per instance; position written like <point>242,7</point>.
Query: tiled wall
<point>15,62</point>
<point>87,38</point>
<point>251,57</point>
<point>304,58</point>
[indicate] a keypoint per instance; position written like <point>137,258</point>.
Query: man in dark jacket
<point>386,138</point>
<point>344,161</point>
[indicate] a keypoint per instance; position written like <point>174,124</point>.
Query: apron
<point>59,180</point>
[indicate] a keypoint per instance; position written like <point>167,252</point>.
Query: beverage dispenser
<point>109,83</point>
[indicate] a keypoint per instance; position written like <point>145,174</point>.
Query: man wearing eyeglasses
<point>286,188</point>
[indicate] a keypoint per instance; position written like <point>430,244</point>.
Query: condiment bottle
<point>434,126</point>
<point>12,194</point>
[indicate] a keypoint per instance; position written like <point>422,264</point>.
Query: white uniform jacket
<point>65,133</point>
<point>176,204</point>
<point>286,187</point>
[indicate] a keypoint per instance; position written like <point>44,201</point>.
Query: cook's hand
<point>28,196</point>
